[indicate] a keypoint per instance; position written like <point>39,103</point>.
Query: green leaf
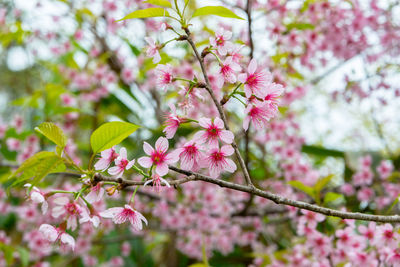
<point>322,151</point>
<point>217,11</point>
<point>146,13</point>
<point>300,26</point>
<point>321,183</point>
<point>333,197</point>
<point>52,132</point>
<point>302,187</point>
<point>23,256</point>
<point>38,167</point>
<point>110,134</point>
<point>163,3</point>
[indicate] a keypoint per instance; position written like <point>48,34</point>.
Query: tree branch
<point>218,105</point>
<point>286,201</point>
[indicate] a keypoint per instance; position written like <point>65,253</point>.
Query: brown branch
<point>286,201</point>
<point>218,105</point>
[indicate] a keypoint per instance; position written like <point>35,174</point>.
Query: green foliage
<point>332,198</point>
<point>302,187</point>
<point>163,3</point>
<point>110,134</point>
<point>146,13</point>
<point>53,133</point>
<point>315,191</point>
<point>322,151</point>
<point>217,11</point>
<point>38,167</point>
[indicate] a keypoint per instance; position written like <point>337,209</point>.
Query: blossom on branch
<point>120,215</point>
<point>158,156</point>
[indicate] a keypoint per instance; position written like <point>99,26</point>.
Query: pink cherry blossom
<point>220,41</point>
<point>121,164</point>
<point>218,162</point>
<point>96,193</point>
<point>228,71</point>
<point>214,132</point>
<point>120,215</point>
<point>156,181</point>
<point>164,76</point>
<point>259,115</point>
<point>86,217</point>
<point>255,82</point>
<point>152,50</point>
<point>38,197</point>
<point>158,156</point>
<point>192,158</point>
<point>53,234</point>
<point>384,169</point>
<point>107,157</point>
<point>66,208</point>
<point>172,123</point>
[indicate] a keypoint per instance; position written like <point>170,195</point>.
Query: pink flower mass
<point>260,133</point>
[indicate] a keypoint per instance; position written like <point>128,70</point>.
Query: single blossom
<point>255,82</point>
<point>164,76</point>
<point>384,169</point>
<point>158,156</point>
<point>86,217</point>
<point>38,197</point>
<point>156,181</point>
<point>152,50</point>
<point>53,234</point>
<point>121,164</point>
<point>257,114</point>
<point>192,158</point>
<point>220,41</point>
<point>172,123</point>
<point>218,162</point>
<point>227,72</point>
<point>274,91</point>
<point>71,210</point>
<point>214,132</point>
<point>96,193</point>
<point>107,156</point>
<point>120,215</point>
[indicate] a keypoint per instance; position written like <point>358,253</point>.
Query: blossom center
<point>158,157</point>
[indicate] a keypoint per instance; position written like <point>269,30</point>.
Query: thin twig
<point>218,105</point>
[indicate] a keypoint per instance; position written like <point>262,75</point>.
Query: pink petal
<point>116,170</point>
<point>145,162</point>
<point>68,240</point>
<point>122,153</point>
<point>107,153</point>
<point>150,41</point>
<point>102,164</point>
<point>205,122</point>
<point>231,166</point>
<point>200,137</point>
<point>226,136</point>
<point>156,58</point>
<point>162,169</point>
<point>227,150</point>
<point>148,149</point>
<point>219,123</point>
<point>61,201</point>
<point>252,66</point>
<point>246,123</point>
<point>162,144</point>
<point>242,77</point>
<point>111,212</point>
<point>49,232</point>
